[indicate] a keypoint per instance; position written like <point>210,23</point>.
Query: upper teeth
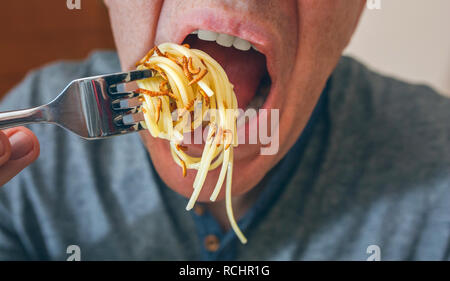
<point>225,40</point>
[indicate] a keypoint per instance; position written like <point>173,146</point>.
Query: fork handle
<point>15,118</point>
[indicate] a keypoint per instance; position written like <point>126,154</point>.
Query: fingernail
<point>21,145</point>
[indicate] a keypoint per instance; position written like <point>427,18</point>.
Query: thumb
<point>19,147</point>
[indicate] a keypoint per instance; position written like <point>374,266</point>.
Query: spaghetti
<point>188,81</point>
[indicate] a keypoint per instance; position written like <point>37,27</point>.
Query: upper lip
<point>263,38</point>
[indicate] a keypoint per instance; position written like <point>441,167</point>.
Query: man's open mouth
<point>243,63</point>
<point>246,49</point>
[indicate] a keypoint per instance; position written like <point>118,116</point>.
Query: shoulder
<point>397,117</point>
<point>58,145</point>
<point>382,176</point>
<point>390,139</point>
<point>43,84</point>
<point>66,159</point>
<point>356,84</point>
<point>73,179</point>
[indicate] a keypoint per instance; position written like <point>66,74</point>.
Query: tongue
<point>245,69</point>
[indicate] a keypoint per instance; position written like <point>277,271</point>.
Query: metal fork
<point>90,107</point>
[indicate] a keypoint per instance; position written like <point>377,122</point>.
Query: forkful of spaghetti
<point>189,87</point>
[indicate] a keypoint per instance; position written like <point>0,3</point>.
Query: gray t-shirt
<point>370,177</point>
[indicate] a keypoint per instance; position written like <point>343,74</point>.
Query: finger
<point>24,150</point>
<point>5,148</point>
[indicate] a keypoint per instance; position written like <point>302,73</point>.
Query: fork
<point>90,107</point>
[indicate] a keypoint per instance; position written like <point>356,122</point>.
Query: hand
<point>19,147</point>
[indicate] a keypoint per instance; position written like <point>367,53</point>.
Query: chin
<point>248,170</point>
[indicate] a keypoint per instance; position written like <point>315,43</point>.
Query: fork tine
<point>128,119</point>
<point>124,100</point>
<point>128,95</point>
<point>125,77</point>
<point>121,105</point>
<point>136,126</point>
